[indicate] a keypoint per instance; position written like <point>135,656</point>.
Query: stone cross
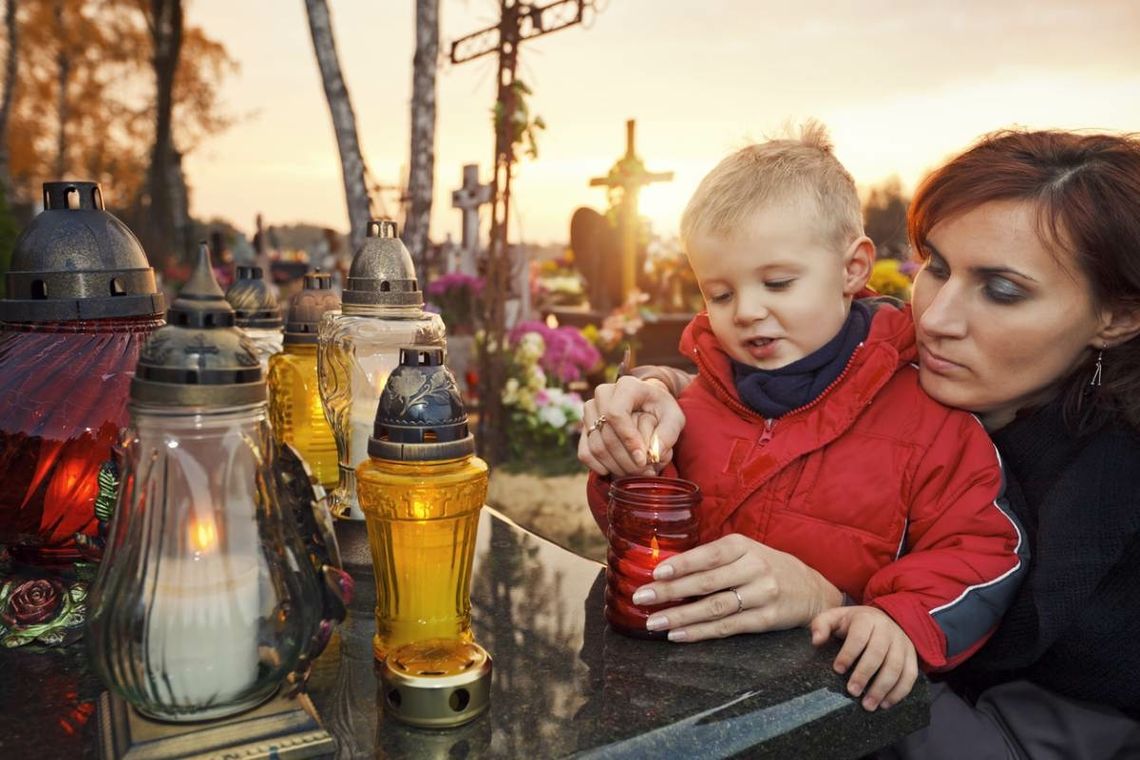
<point>468,199</point>
<point>629,175</point>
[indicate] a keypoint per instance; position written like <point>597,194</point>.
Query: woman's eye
<point>779,284</point>
<point>719,297</point>
<point>1001,290</point>
<point>936,268</point>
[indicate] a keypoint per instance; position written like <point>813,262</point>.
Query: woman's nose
<point>941,312</point>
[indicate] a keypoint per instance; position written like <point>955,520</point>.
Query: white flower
<point>553,416</point>
<point>511,392</point>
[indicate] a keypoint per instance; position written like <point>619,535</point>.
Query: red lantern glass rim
<point>653,491</point>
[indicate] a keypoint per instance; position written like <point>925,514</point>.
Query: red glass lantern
<point>81,296</point>
<point>650,519</point>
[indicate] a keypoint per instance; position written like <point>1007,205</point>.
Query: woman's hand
<point>740,586</point>
<point>882,649</point>
<point>632,411</point>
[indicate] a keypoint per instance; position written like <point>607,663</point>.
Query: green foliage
<point>884,218</point>
<point>9,231</point>
<point>523,128</point>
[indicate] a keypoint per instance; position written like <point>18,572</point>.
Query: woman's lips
<point>935,363</point>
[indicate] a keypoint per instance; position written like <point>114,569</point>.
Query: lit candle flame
<point>655,450</point>
<point>203,535</point>
<point>656,550</point>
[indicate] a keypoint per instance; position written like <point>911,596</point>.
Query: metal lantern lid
<point>307,306</point>
<point>421,416</point>
<point>75,261</point>
<point>200,358</point>
<point>382,273</point>
<point>253,300</point>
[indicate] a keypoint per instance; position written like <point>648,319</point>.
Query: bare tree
<point>63,62</point>
<point>11,69</point>
<point>421,175</point>
<point>161,236</point>
<point>344,120</point>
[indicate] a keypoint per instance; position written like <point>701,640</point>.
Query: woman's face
<point>999,318</point>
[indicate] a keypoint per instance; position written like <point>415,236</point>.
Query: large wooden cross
<point>629,175</point>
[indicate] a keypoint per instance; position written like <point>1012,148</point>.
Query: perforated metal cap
<point>200,358</point>
<point>421,416</point>
<point>437,683</point>
<point>253,300</point>
<point>382,272</point>
<point>307,307</point>
<point>76,261</point>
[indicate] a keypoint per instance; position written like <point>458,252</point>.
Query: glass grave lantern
<point>421,490</point>
<point>358,346</point>
<point>295,407</point>
<point>81,297</point>
<point>205,600</point>
<point>649,519</point>
<point>256,312</point>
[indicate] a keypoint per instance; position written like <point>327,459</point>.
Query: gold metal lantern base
<point>281,727</point>
<point>439,683</point>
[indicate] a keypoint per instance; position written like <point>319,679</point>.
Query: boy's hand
<point>880,646</point>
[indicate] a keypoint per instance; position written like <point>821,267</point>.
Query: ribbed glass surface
<point>356,353</point>
<point>296,411</point>
<point>63,404</point>
<point>422,521</point>
<point>204,598</point>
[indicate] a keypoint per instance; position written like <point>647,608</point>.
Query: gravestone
<point>597,257</point>
<point>468,199</point>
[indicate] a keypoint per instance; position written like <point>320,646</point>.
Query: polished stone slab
<point>564,684</point>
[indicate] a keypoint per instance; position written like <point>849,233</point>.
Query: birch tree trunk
<point>344,120</point>
<point>421,174</point>
<point>11,69</point>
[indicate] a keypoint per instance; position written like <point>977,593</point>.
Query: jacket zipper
<point>770,423</point>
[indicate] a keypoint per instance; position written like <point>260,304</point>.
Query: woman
<point>1026,313</point>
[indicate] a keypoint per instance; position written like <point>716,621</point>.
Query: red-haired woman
<point>1026,313</point>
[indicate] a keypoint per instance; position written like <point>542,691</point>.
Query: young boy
<point>808,433</point>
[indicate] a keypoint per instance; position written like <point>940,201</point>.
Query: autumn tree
<point>86,102</point>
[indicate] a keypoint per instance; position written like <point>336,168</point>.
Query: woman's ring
<point>598,423</point>
<point>739,601</point>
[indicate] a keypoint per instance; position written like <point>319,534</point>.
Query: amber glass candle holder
<point>650,519</point>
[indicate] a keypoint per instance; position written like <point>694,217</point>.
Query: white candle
<point>202,634</point>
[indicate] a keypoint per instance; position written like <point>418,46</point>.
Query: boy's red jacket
<point>893,497</point>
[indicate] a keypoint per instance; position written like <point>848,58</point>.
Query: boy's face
<point>777,291</point>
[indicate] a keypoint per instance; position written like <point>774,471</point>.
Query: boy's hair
<point>797,169</point>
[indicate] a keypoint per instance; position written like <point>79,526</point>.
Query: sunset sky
<point>900,84</point>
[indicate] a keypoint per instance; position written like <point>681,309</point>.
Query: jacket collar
<point>890,343</point>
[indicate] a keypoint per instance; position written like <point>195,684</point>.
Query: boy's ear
<point>858,260</point>
<point>1118,325</point>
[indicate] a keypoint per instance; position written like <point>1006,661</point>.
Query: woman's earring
<point>1095,382</point>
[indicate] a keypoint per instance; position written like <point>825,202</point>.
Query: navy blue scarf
<point>775,392</point>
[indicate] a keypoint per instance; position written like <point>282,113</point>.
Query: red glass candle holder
<point>650,519</point>
<point>64,388</point>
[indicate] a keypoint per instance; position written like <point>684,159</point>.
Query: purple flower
<point>568,354</point>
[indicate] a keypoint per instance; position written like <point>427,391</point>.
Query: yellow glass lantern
<point>295,407</point>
